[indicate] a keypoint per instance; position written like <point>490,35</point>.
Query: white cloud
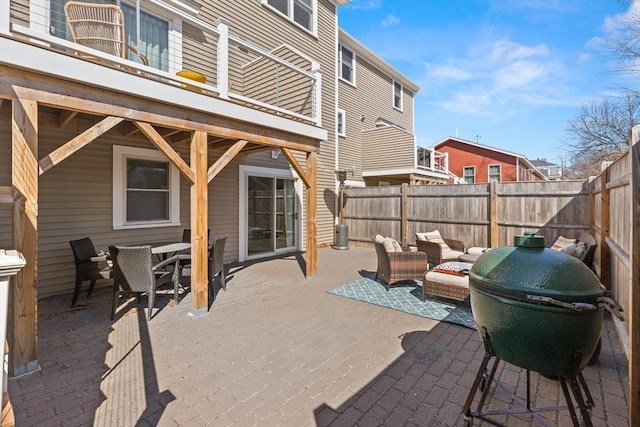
<point>390,20</point>
<point>505,50</point>
<point>365,4</point>
<point>584,57</point>
<point>448,72</point>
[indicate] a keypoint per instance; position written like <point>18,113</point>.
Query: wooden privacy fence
<point>490,215</point>
<point>487,215</point>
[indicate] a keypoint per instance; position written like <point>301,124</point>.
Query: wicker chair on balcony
<point>439,249</point>
<point>398,265</point>
<point>100,27</point>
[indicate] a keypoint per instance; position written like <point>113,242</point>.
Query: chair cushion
<point>451,255</point>
<point>435,237</point>
<point>390,245</point>
<point>575,249</point>
<point>561,243</point>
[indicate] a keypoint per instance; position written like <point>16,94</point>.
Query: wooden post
<point>199,224</point>
<point>312,213</point>
<point>404,213</point>
<point>494,239</point>
<point>605,228</point>
<point>634,283</point>
<point>23,337</point>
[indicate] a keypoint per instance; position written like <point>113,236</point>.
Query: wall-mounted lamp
<point>362,117</point>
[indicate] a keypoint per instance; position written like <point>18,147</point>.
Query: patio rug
<point>407,299</point>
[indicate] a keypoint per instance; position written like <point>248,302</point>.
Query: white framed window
<point>347,64</point>
<point>397,95</point>
<point>469,174</point>
<point>146,189</point>
<point>342,123</point>
<point>300,12</point>
<point>495,173</point>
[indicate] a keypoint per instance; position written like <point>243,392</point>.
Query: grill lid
<point>531,269</point>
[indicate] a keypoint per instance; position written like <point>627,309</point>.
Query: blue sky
<point>505,73</point>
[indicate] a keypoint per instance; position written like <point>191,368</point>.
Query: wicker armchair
<point>396,267</point>
<point>437,254</point>
<point>134,272</point>
<point>101,27</point>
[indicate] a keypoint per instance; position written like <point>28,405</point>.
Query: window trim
<point>499,172</point>
<point>344,122</point>
<point>120,154</point>
<point>289,16</point>
<point>464,176</point>
<point>353,65</point>
<point>394,82</point>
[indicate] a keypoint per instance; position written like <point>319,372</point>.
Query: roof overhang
<point>412,172</point>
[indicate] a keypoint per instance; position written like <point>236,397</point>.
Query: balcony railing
<point>279,81</point>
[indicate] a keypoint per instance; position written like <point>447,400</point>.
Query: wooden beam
<point>199,225</point>
<point>311,217</point>
<point>65,117</point>
<point>296,166</point>
<point>164,146</point>
<point>23,336</point>
<point>137,109</point>
<point>634,279</point>
<point>77,143</point>
<point>224,159</point>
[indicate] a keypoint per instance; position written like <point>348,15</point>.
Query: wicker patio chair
<point>437,252</point>
<point>89,266</point>
<point>133,272</point>
<point>394,267</point>
<point>100,27</point>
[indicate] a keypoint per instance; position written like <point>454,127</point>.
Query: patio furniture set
<point>143,268</point>
<point>442,265</point>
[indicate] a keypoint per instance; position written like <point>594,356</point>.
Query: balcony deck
<point>276,349</point>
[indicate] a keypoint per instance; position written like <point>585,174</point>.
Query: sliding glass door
<point>271,215</point>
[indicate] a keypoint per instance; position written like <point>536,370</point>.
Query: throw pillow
<point>435,237</point>
<point>421,236</point>
<point>575,249</point>
<point>378,239</point>
<point>454,267</point>
<point>561,243</point>
<point>388,245</point>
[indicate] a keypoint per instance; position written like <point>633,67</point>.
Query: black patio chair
<point>134,272</point>
<point>89,266</point>
<point>216,262</point>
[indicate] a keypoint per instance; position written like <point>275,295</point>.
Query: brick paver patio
<point>276,349</point>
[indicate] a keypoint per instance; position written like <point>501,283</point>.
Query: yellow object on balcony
<point>192,75</point>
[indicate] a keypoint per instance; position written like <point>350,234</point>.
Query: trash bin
<point>342,237</point>
<point>11,262</point>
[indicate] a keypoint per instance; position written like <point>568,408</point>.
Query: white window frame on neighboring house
<point>120,156</point>
<point>341,121</point>
<point>464,174</point>
<point>288,9</point>
<point>397,94</point>
<point>492,176</point>
<point>352,66</point>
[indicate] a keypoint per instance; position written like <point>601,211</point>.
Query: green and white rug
<point>407,299</point>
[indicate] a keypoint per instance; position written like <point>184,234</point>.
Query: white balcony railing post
<point>316,114</point>
<point>223,58</point>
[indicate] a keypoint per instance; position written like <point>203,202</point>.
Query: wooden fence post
<point>605,228</point>
<point>493,215</point>
<point>404,215</point>
<point>634,276</point>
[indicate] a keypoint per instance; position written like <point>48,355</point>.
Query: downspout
<point>336,160</point>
